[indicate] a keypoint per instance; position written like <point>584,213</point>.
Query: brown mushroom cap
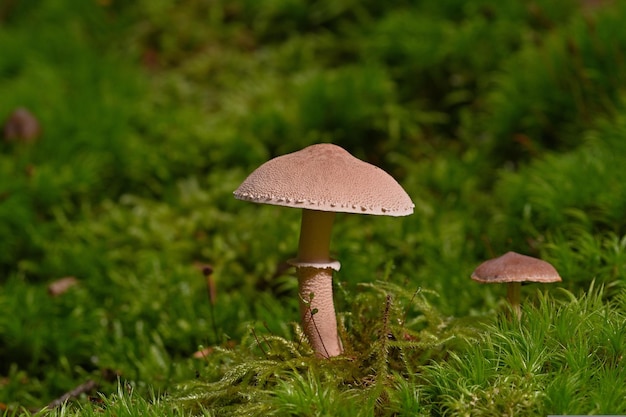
<point>21,125</point>
<point>326,177</point>
<point>513,267</point>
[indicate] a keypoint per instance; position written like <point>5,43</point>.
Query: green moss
<point>543,365</point>
<point>504,122</point>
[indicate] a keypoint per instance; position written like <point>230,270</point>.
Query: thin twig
<point>406,311</point>
<point>207,271</point>
<point>386,332</point>
<point>319,335</point>
<point>258,343</point>
<point>385,337</point>
<point>83,388</point>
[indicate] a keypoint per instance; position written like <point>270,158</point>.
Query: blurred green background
<point>504,121</point>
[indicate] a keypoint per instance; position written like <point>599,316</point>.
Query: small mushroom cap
<point>326,177</point>
<point>21,125</point>
<point>513,267</point>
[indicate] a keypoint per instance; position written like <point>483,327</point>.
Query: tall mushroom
<point>514,269</point>
<point>322,179</point>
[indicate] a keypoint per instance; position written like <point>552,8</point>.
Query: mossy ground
<point>504,121</point>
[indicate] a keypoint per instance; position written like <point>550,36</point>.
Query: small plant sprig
<point>384,346</point>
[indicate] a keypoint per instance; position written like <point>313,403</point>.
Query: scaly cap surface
<point>326,177</point>
<point>513,267</point>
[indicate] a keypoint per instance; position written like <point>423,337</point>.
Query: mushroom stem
<point>318,311</point>
<point>315,283</point>
<point>513,294</point>
<point>315,232</point>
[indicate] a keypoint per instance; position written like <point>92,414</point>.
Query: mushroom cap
<point>21,125</point>
<point>513,267</point>
<point>325,177</point>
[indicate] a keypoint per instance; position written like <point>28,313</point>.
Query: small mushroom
<point>514,269</point>
<point>61,286</point>
<point>21,125</point>
<point>322,179</point>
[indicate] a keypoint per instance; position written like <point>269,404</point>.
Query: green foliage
<point>388,335</point>
<point>504,121</point>
<point>572,203</point>
<point>555,361</point>
<point>553,87</point>
<point>123,403</point>
<point>581,186</point>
